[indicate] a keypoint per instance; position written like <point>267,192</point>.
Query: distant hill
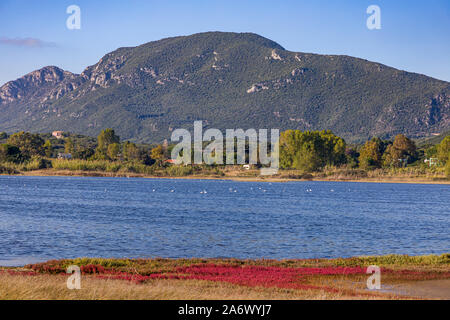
<point>229,80</point>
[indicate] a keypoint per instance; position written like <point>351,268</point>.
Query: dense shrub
<point>9,153</point>
<point>30,144</point>
<point>7,170</point>
<point>311,150</point>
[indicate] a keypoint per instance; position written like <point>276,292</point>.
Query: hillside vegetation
<point>229,80</point>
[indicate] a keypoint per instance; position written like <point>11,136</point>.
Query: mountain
<point>229,80</point>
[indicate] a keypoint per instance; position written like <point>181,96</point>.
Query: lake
<point>45,218</point>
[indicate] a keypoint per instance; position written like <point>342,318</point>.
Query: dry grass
<point>51,287</point>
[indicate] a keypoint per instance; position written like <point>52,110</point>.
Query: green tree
<point>9,153</point>
<point>69,146</point>
<point>131,151</point>
<point>105,138</point>
<point>48,148</point>
<point>113,151</point>
<point>370,155</point>
<point>307,158</point>
<point>157,154</point>
<point>401,148</point>
<point>431,152</point>
<point>406,145</point>
<point>311,150</point>
<point>3,135</point>
<point>333,149</point>
<point>84,153</point>
<point>352,157</point>
<point>443,150</point>
<point>29,144</point>
<point>391,157</point>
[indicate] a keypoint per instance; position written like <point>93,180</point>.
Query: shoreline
<point>102,174</point>
<point>432,259</point>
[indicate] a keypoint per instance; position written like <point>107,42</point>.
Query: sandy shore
<point>385,179</point>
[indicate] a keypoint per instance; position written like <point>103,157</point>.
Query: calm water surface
<point>45,218</point>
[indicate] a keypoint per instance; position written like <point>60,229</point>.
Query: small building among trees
<point>65,156</point>
<point>57,134</point>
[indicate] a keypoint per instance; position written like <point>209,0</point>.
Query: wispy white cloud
<point>26,42</point>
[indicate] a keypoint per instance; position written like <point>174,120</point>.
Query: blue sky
<point>415,35</point>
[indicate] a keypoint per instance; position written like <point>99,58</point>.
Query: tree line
<point>308,151</point>
<point>313,150</point>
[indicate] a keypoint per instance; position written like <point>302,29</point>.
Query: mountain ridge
<point>229,80</point>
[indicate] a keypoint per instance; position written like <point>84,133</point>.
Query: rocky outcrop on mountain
<point>437,111</point>
<point>37,86</point>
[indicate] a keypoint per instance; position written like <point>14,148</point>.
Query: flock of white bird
<point>235,190</point>
<point>230,189</point>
